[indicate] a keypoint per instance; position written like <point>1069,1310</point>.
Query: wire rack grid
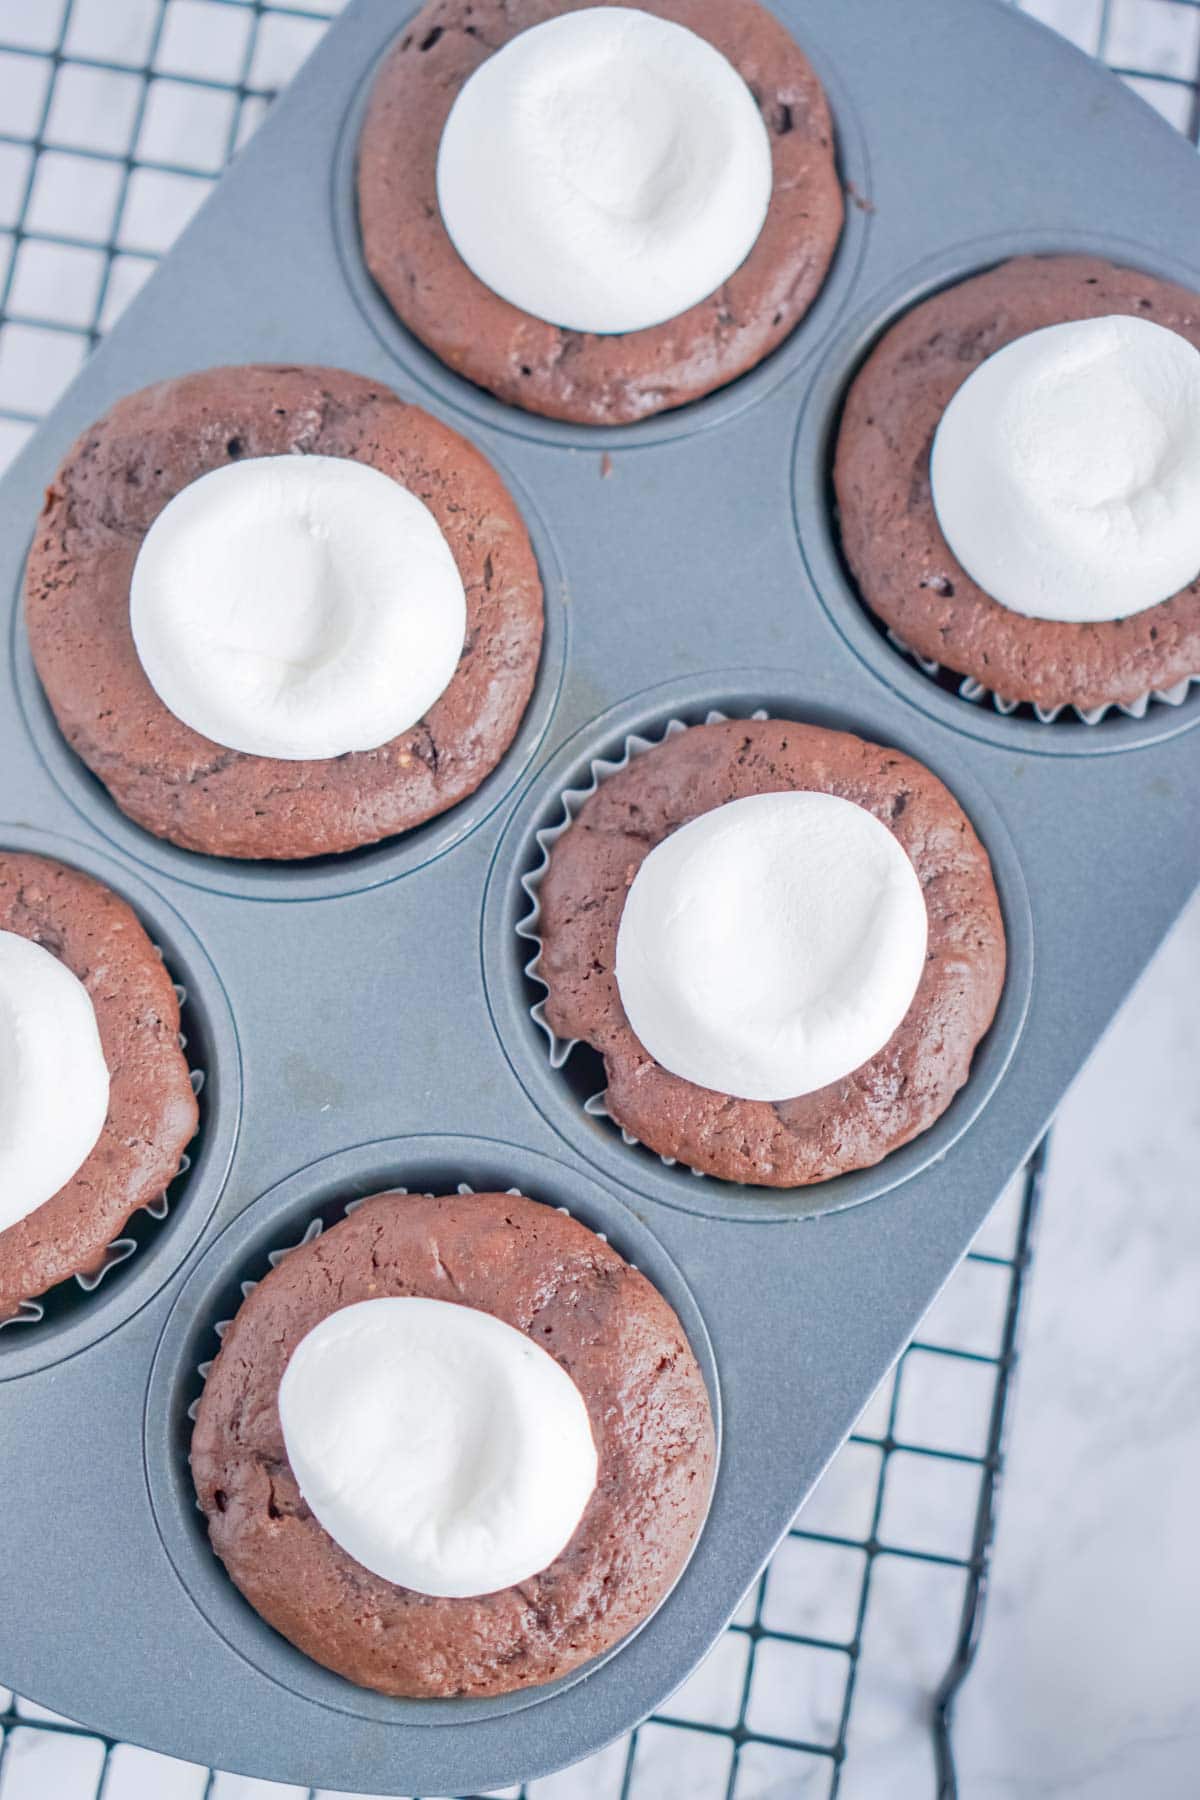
<point>839,1673</point>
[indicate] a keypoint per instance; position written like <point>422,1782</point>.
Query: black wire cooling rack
<point>116,116</point>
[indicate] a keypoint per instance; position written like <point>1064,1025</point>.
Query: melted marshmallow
<point>772,945</point>
<point>297,607</point>
<point>441,1448</point>
<point>605,170</point>
<point>1066,470</point>
<point>53,1077</point>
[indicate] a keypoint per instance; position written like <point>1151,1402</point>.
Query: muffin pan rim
<point>510,996</point>
<point>814,507</point>
<point>323,1188</point>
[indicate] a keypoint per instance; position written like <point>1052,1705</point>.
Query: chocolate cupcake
<point>598,212</point>
<point>454,1446</point>
<point>1018,484</point>
<point>784,942</point>
<point>96,1101</point>
<point>279,612</point>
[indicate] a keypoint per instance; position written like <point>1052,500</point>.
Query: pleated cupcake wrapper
<point>573,800</point>
<point>312,1231</point>
<point>32,1312</point>
<point>979,695</point>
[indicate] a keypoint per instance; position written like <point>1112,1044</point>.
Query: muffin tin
<point>375,1006</point>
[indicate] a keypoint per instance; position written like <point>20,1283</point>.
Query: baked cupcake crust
<point>904,568</point>
<point>854,1122</point>
<point>556,1281</point>
<point>152,1112</point>
<point>179,785</point>
<point>579,376</point>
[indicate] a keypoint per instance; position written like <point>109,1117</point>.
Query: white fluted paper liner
<point>979,695</point>
<point>601,767</point>
<point>312,1231</point>
<point>32,1312</point>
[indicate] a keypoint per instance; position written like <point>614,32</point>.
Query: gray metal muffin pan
<point>364,1020</point>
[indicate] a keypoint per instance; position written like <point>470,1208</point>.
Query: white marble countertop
<point>1088,1678</point>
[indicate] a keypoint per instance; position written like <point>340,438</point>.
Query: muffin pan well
<point>445,388</point>
<point>566,1082</point>
<point>156,1241</point>
<point>293,1212</point>
<point>951,698</point>
<point>311,877</point>
<point>372,1011</point>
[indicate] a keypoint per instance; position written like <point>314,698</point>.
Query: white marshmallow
<point>440,1447</point>
<point>297,607</point>
<point>772,945</point>
<point>53,1077</point>
<point>605,170</point>
<point>1066,470</point>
